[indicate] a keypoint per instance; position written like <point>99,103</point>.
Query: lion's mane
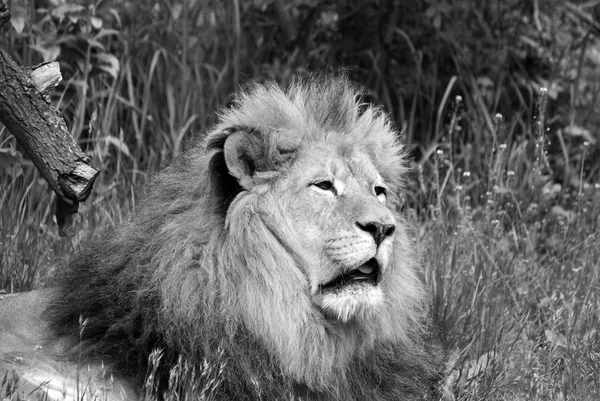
<point>199,274</point>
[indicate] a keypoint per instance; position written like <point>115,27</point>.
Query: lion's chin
<point>352,301</point>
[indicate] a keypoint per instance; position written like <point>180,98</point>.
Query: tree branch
<point>28,114</point>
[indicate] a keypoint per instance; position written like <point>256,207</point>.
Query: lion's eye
<point>324,185</point>
<point>381,193</point>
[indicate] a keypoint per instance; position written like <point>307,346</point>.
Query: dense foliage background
<point>496,100</point>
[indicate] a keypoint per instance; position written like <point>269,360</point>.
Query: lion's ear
<point>242,150</point>
<point>250,154</point>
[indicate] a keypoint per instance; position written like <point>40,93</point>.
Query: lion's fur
<point>207,271</point>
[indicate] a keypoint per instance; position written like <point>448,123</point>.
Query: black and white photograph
<point>299,200</point>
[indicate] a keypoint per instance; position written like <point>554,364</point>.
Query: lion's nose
<point>379,231</point>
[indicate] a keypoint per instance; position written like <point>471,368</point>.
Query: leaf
<point>49,53</point>
<point>108,63</point>
<point>19,10</point>
<point>575,130</point>
<point>119,144</point>
<point>96,22</point>
<point>106,32</point>
<point>94,44</point>
<point>64,9</point>
<point>8,157</point>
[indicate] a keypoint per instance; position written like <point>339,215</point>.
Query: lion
<point>273,250</point>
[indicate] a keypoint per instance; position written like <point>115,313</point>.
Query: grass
<point>507,222</point>
<point>514,278</point>
<point>517,301</point>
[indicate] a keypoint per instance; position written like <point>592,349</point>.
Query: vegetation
<point>497,102</point>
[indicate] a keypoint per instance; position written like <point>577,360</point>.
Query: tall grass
<point>514,279</point>
<point>505,205</point>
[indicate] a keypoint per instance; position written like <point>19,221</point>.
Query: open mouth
<point>367,273</point>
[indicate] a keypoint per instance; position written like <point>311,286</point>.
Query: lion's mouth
<point>367,273</point>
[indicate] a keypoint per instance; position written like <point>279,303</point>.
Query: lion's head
<point>277,242</point>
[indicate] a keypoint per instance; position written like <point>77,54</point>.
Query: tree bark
<point>26,111</point>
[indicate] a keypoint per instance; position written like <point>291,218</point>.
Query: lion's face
<point>336,202</point>
<point>313,255</point>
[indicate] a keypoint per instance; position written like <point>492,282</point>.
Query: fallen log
<point>28,114</point>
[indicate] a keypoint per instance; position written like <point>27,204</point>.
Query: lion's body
<point>35,367</point>
<point>240,257</point>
